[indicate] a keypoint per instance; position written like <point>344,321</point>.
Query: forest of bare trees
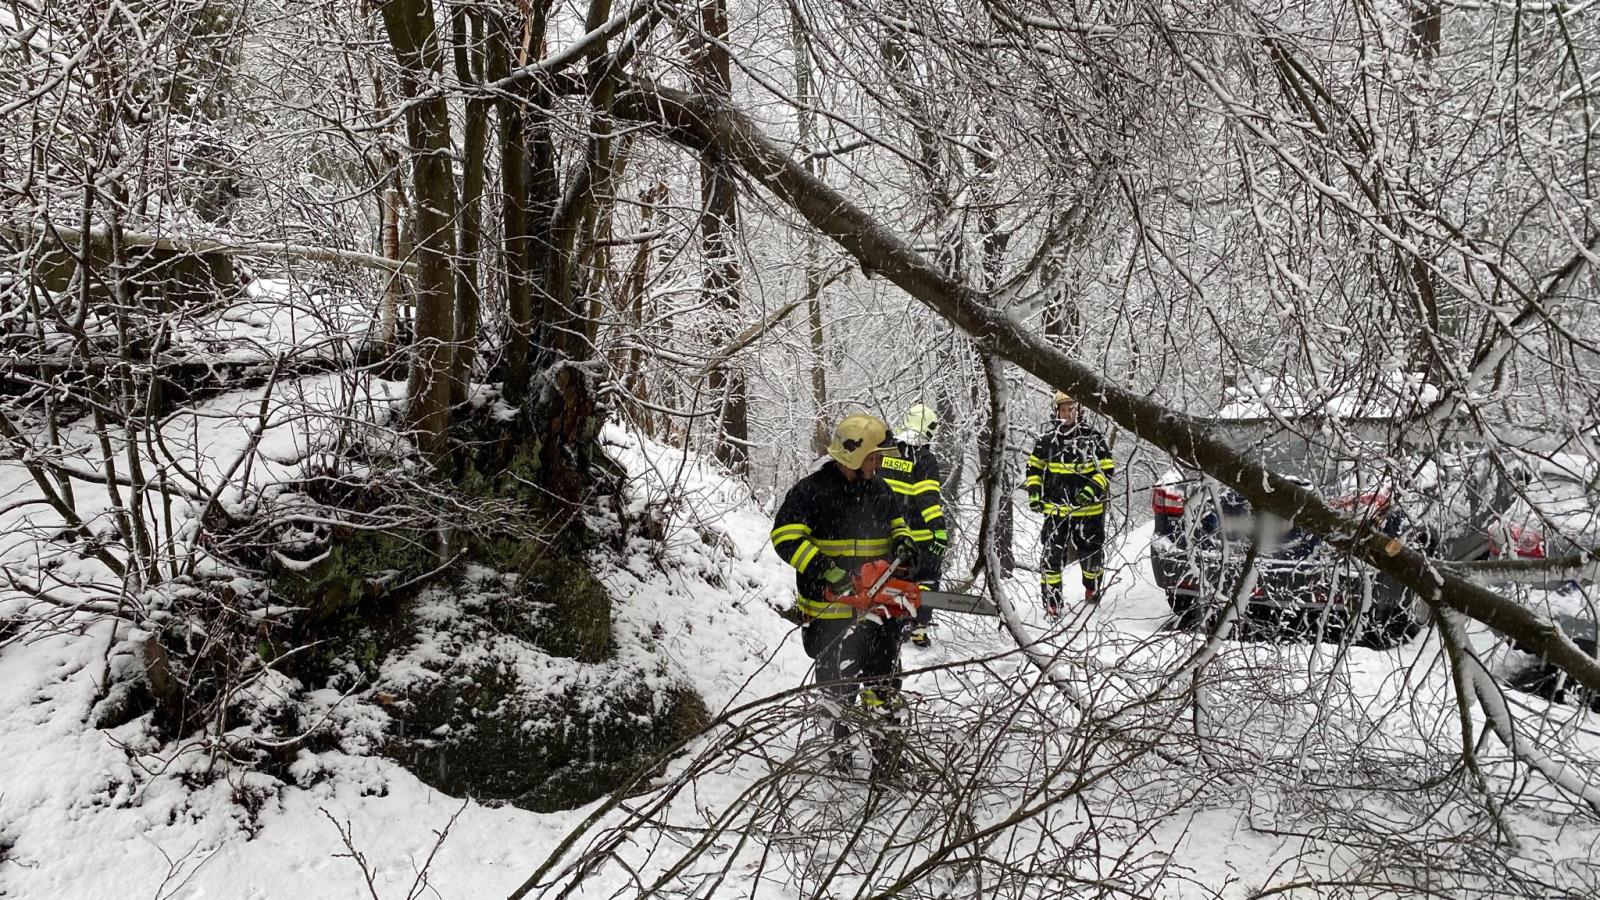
<point>447,243</point>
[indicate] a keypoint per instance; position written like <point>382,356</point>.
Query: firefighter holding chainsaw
<point>832,523</point>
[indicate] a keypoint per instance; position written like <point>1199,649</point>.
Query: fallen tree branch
<point>703,123</point>
<point>1498,573</point>
<point>1497,715</point>
<point>748,336</point>
<point>574,53</point>
<point>68,234</point>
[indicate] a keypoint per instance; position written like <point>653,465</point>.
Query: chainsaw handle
<point>875,590</point>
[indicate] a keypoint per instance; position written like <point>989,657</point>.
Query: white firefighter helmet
<point>922,421</point>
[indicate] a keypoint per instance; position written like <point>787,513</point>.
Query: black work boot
<point>1052,602</point>
<point>888,758</point>
<point>841,761</point>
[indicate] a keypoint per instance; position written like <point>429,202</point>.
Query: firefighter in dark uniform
<point>914,477</point>
<point>832,522</point>
<point>1069,479</point>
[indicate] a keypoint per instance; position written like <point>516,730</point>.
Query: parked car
<point>1442,499</point>
<point>1555,515</point>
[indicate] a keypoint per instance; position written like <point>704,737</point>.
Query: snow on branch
<point>703,123</point>
<point>67,234</point>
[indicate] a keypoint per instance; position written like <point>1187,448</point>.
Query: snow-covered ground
<point>86,813</point>
<point>297,319</point>
<point>83,815</point>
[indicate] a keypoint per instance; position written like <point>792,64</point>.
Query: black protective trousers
<point>856,654</point>
<point>1066,539</point>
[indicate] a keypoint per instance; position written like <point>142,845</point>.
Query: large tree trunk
<point>515,252</point>
<point>996,528</point>
<point>632,305</point>
<point>394,285</point>
<point>1437,325</point>
<point>542,191</point>
<point>589,182</point>
<point>531,194</point>
<point>999,475</point>
<point>719,224</point>
<point>411,30</point>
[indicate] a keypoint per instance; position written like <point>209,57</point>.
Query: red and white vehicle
<point>1552,525</point>
<point>1554,515</point>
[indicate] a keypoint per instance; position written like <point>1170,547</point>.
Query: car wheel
<point>1389,627</point>
<point>1550,682</point>
<point>1187,613</point>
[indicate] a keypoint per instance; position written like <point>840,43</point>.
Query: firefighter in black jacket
<point>1069,480</point>
<point>913,475</point>
<point>832,522</point>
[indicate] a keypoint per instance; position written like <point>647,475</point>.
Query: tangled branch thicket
<point>1020,794</point>
<point>1377,207</point>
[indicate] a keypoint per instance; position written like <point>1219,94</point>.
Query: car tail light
<point>1526,542</point>
<point>1373,501</point>
<point>1166,500</point>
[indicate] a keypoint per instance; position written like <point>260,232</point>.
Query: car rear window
<point>1302,459</point>
<point>1556,494</point>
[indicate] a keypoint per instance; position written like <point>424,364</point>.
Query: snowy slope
<point>72,794</point>
<point>94,814</point>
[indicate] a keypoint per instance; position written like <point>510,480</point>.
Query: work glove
<point>837,579</point>
<point>1087,495</point>
<point>903,547</point>
<point>1035,503</point>
<point>940,543</point>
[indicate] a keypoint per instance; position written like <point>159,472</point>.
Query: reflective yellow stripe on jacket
<point>1034,483</point>
<point>928,513</point>
<point>822,609</point>
<point>1067,468</point>
<point>1067,509</point>
<point>857,548</point>
<point>920,487</point>
<point>794,544</point>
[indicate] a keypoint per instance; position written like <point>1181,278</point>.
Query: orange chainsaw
<point>879,595</point>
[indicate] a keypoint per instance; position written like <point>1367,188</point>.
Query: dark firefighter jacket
<point>1067,459</point>
<point>827,520</point>
<point>914,478</point>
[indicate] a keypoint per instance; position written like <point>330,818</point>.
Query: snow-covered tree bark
<point>410,25</point>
